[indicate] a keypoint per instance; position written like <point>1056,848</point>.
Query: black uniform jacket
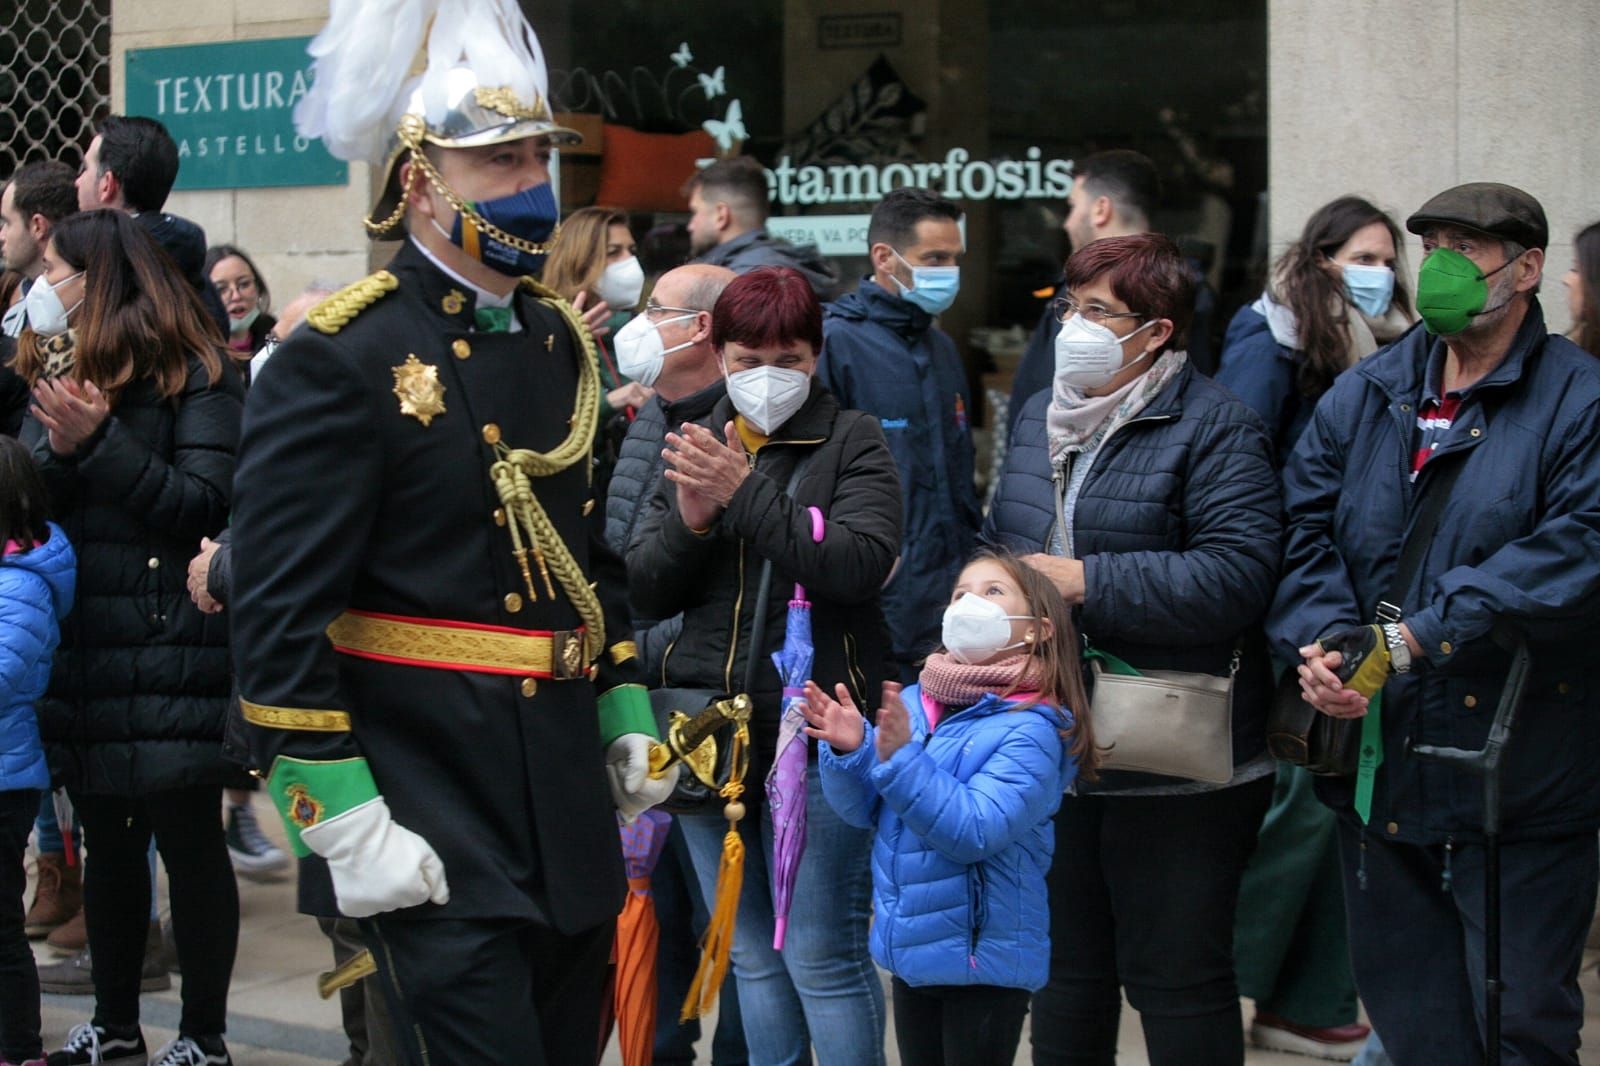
<point>344,501</point>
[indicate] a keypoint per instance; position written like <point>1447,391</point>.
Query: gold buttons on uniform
<point>1392,828</point>
<point>491,433</point>
<point>1446,647</point>
<point>461,348</point>
<point>453,302</point>
<point>499,516</point>
<point>529,687</point>
<point>1471,701</point>
<point>513,602</point>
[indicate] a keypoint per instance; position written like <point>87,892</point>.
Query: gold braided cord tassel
<point>716,946</point>
<point>516,468</point>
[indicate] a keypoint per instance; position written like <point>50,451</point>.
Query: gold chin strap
<point>530,527</point>
<point>420,161</point>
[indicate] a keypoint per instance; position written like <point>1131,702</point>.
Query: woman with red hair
<point>1146,493</point>
<point>726,505</point>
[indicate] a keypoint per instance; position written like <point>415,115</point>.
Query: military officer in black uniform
<point>431,641</point>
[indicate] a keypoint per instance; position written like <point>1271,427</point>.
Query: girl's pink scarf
<point>952,685</point>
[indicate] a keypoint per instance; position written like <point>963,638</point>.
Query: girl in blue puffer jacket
<point>37,575</point>
<point>960,777</point>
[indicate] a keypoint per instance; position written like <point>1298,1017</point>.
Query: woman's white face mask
<point>46,314</point>
<point>768,396</point>
<point>1089,355</point>
<point>622,283</point>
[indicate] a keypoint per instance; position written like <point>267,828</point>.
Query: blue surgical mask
<point>933,289</point>
<point>1370,288</point>
<point>530,215</point>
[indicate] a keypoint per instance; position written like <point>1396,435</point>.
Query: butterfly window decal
<point>730,131</point>
<point>683,57</point>
<point>715,83</point>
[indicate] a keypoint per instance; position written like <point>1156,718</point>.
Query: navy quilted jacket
<point>1178,525</point>
<point>1517,543</point>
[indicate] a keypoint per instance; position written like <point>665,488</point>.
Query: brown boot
<point>58,896</point>
<point>71,937</point>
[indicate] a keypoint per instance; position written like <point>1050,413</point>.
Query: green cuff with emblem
<point>625,709</point>
<point>308,793</point>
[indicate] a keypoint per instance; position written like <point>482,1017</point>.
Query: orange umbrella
<point>638,935</point>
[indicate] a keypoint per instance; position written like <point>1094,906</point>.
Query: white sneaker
<point>91,1045</point>
<point>185,1052</point>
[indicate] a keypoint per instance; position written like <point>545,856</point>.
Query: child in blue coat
<point>960,777</point>
<point>37,575</point>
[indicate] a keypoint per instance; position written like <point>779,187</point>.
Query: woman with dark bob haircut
<point>1146,493</point>
<point>725,506</point>
<point>134,425</point>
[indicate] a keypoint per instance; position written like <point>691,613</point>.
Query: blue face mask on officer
<point>529,217</point>
<point>932,288</point>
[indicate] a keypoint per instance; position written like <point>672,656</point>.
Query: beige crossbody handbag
<point>1169,722</point>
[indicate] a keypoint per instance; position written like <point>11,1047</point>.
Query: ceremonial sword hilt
<point>692,741</point>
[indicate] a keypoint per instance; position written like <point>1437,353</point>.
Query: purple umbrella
<point>786,781</point>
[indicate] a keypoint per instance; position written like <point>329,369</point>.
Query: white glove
<point>628,767</point>
<point>376,864</point>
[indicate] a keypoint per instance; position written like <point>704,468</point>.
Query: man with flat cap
<point>1474,440</point>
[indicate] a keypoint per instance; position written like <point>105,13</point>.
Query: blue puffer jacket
<point>1518,541</point>
<point>964,840</point>
<point>36,590</point>
<point>883,355</point>
<point>1178,526</point>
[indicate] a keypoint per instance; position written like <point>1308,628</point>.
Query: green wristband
<point>309,793</point>
<point>625,709</point>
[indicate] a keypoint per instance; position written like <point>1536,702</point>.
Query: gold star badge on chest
<point>420,391</point>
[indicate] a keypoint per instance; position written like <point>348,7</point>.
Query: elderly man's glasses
<point>1064,307</point>
<point>652,309</point>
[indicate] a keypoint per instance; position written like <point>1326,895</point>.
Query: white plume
<point>363,76</point>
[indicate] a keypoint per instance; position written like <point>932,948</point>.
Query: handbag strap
<point>1415,546</point>
<point>758,627</point>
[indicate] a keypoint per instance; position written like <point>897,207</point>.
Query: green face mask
<point>1451,291</point>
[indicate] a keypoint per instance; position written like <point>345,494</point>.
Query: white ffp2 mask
<point>640,350</point>
<point>768,396</point>
<point>976,628</point>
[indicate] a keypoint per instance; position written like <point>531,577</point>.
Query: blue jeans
<point>822,991</point>
<point>48,827</point>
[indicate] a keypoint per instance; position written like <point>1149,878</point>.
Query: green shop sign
<point>230,107</point>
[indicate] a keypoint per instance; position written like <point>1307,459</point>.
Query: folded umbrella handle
<point>818,528</point>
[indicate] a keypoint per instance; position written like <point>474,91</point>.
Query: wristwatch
<point>1399,653</point>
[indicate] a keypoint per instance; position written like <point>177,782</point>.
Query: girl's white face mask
<point>976,629</point>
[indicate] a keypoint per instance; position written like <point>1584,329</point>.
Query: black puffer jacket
<point>140,685</point>
<point>712,578</point>
<point>633,482</point>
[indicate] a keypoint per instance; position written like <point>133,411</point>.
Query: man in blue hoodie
<point>881,353</point>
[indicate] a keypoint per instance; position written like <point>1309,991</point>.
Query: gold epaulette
<point>336,312</point>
